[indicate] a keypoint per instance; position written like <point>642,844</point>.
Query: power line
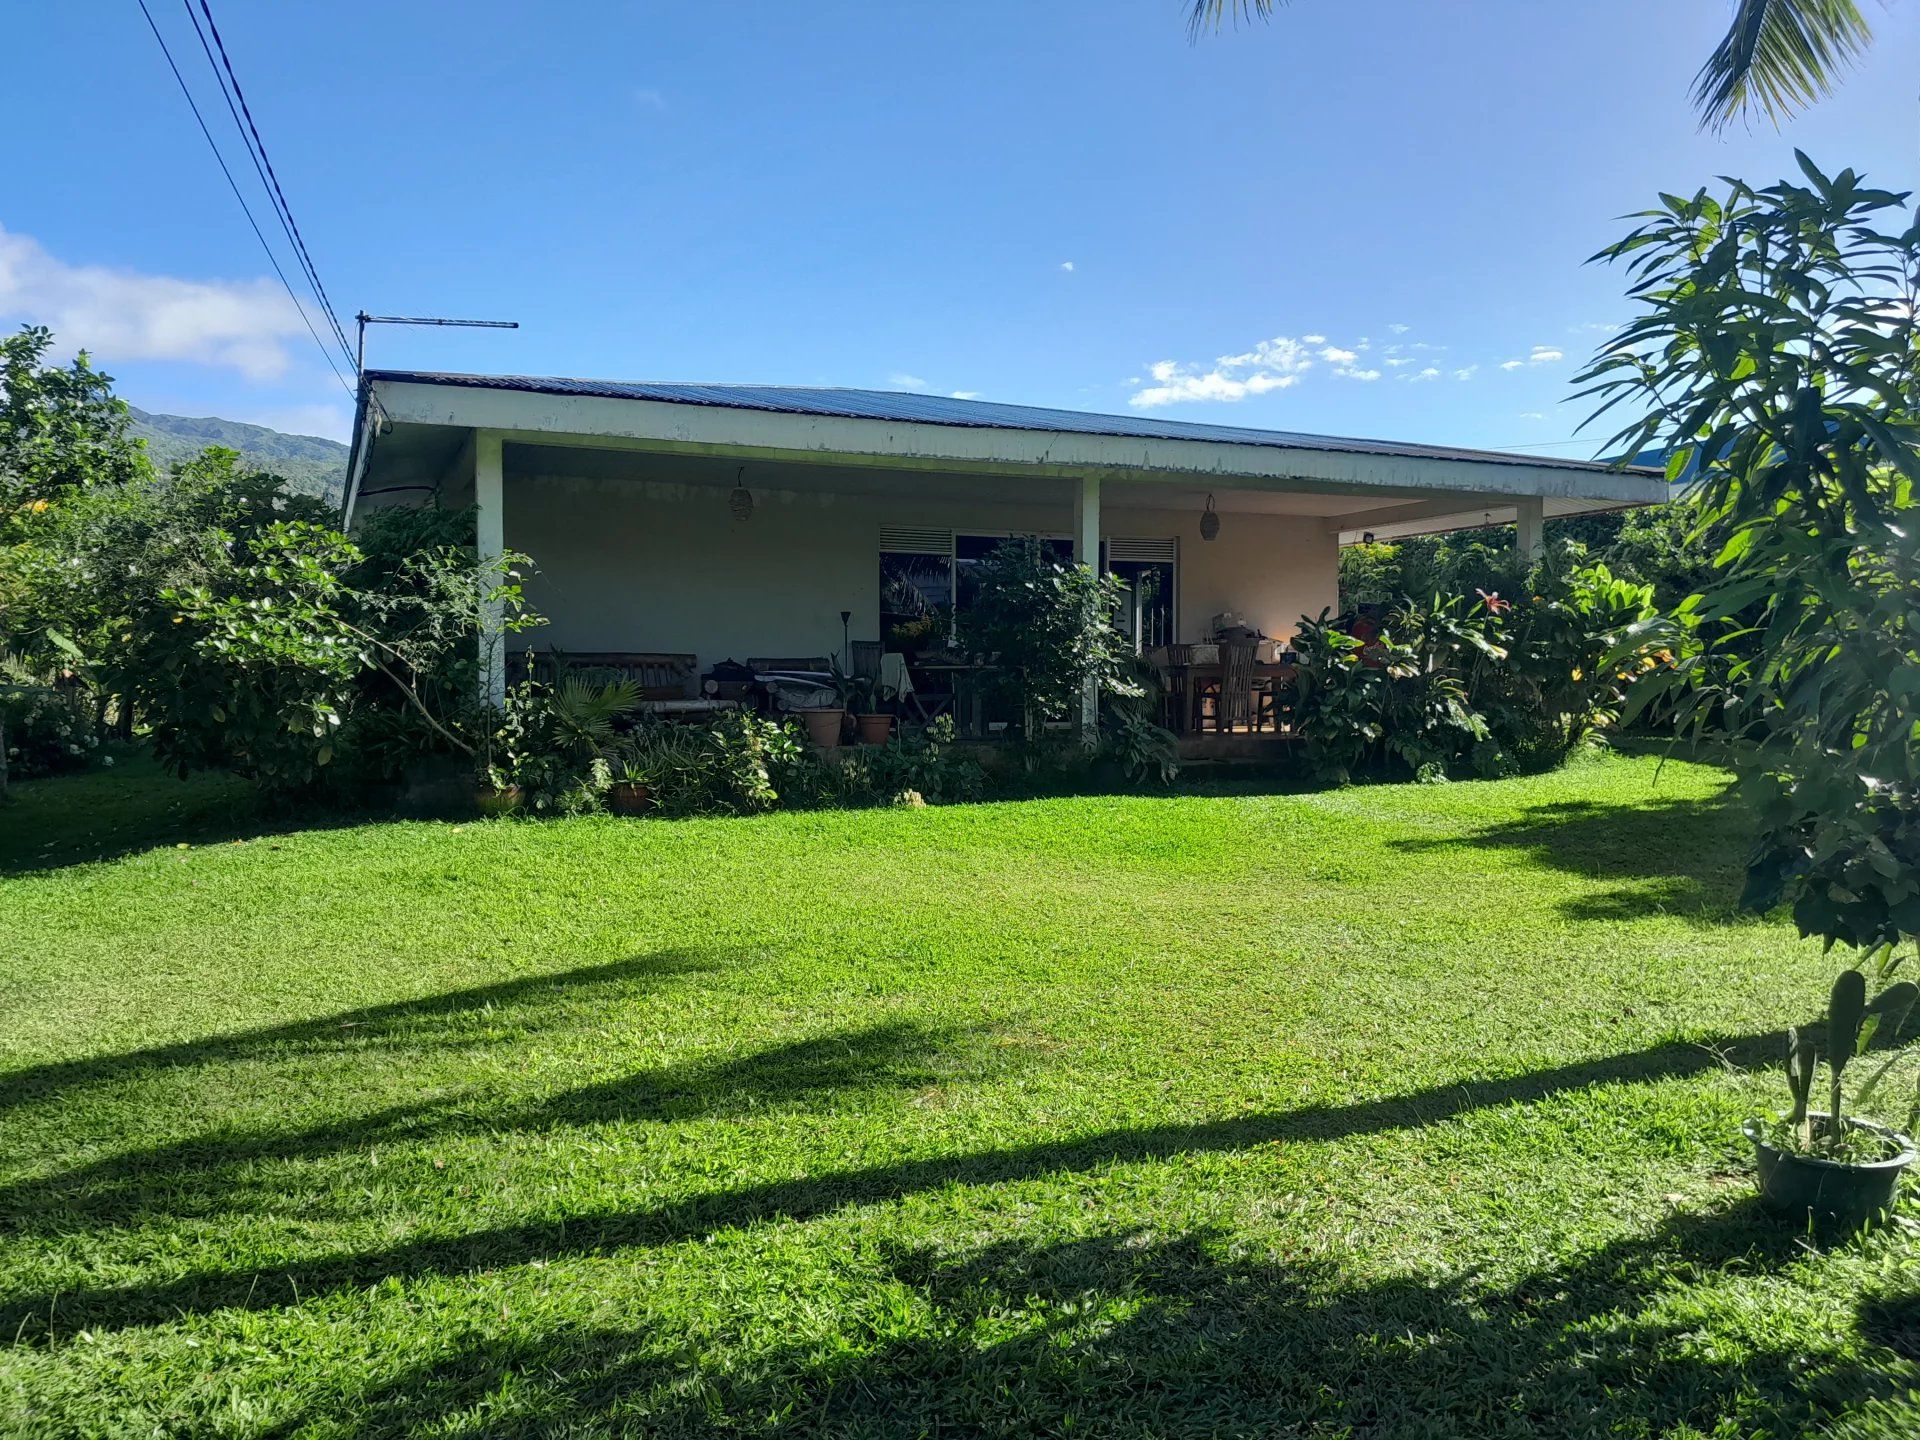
<point>233,185</point>
<point>263,163</point>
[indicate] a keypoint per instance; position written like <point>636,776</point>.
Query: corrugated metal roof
<point>978,414</point>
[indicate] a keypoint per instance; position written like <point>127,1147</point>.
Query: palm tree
<point>1777,57</point>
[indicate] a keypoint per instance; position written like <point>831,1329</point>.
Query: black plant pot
<point>1829,1194</point>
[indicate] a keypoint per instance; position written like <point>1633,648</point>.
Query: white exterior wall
<point>651,566</point>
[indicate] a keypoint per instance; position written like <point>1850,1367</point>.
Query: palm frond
<point>1778,56</point>
<point>1204,15</point>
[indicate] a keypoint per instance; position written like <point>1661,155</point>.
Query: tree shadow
<point>1187,1335</point>
<point>53,823</point>
<point>802,1197</point>
<point>210,1174</point>
<point>426,1022</point>
<point>1688,855</point>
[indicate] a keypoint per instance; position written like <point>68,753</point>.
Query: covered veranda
<point>719,525</point>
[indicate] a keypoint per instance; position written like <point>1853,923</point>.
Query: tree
<point>1048,628</point>
<point>61,433</point>
<point>1778,56</point>
<point>1777,343</point>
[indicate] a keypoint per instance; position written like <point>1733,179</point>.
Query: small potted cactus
<point>1829,1169</point>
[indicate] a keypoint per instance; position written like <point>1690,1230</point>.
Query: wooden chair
<point>1236,706</point>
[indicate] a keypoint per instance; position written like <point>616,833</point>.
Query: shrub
<point>557,745</point>
<point>1560,682</point>
<point>1776,347</point>
<point>1049,629</point>
<point>46,729</point>
<point>1401,698</point>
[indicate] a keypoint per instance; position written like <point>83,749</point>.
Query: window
<point>916,589</point>
<point>927,576</point>
<point>1147,567</point>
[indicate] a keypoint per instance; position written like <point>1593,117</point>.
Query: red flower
<point>1495,605</point>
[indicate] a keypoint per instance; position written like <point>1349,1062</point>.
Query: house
<point>736,521</point>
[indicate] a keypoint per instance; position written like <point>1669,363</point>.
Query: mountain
<point>310,465</point>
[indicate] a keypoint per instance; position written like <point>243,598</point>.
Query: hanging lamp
<point>740,502</point>
<point>1209,521</point>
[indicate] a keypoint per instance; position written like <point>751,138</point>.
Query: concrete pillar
<point>1086,550</point>
<point>1530,534</point>
<point>489,498</point>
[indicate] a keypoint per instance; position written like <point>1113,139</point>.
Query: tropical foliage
<point>1777,343</point>
<point>1048,628</point>
<point>1492,686</point>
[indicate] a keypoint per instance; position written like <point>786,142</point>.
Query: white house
<point>729,521</point>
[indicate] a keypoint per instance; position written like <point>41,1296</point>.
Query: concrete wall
<point>649,565</point>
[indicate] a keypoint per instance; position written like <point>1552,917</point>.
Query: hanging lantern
<point>740,502</point>
<point>1209,521</point>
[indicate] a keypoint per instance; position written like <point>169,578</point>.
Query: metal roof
<point>941,410</point>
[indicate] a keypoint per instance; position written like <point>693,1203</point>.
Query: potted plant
<point>1827,1168</point>
<point>631,792</point>
<point>870,701</point>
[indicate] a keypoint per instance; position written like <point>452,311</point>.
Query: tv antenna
<point>364,319</point>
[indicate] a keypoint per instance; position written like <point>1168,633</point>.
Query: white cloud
<point>1275,364</point>
<point>966,394</point>
<point>1350,373</point>
<point>900,380</point>
<point>1532,415</point>
<point>1334,355</point>
<point>1539,355</point>
<point>1398,360</point>
<point>648,98</point>
<point>1399,329</point>
<point>1430,373</point>
<point>1465,372</point>
<point>1313,339</point>
<point>1067,265</point>
<point>123,315</point>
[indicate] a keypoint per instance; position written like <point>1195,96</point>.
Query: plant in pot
<point>825,722</point>
<point>871,704</point>
<point>631,792</point>
<point>1829,1169</point>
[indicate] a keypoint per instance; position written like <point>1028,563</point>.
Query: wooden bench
<point>665,680</point>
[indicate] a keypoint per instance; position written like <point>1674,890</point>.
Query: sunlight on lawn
<point>1395,1110</point>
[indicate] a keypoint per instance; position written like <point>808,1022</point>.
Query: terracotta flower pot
<point>874,729</point>
<point>507,800</point>
<point>630,799</point>
<point>823,725</point>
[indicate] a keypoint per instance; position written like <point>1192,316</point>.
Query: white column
<point>1086,550</point>
<point>1530,534</point>
<point>489,498</point>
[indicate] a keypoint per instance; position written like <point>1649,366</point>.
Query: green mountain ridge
<point>310,464</point>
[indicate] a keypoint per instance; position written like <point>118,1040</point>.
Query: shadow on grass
<point>212,1174</point>
<point>1687,857</point>
<point>182,1171</point>
<point>401,1023</point>
<point>1185,1335</point>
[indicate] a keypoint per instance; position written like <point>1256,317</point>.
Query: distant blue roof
<point>940,410</point>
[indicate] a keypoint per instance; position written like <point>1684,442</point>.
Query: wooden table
<point>1188,691</point>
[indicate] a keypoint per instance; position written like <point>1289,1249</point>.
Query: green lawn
<point>1387,1111</point>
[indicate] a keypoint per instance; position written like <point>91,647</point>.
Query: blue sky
<point>1362,218</point>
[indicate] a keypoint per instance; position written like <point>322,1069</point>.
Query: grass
<point>1397,1111</point>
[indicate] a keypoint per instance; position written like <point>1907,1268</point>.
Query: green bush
<point>1497,686</point>
<point>1049,630</point>
<point>46,729</point>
